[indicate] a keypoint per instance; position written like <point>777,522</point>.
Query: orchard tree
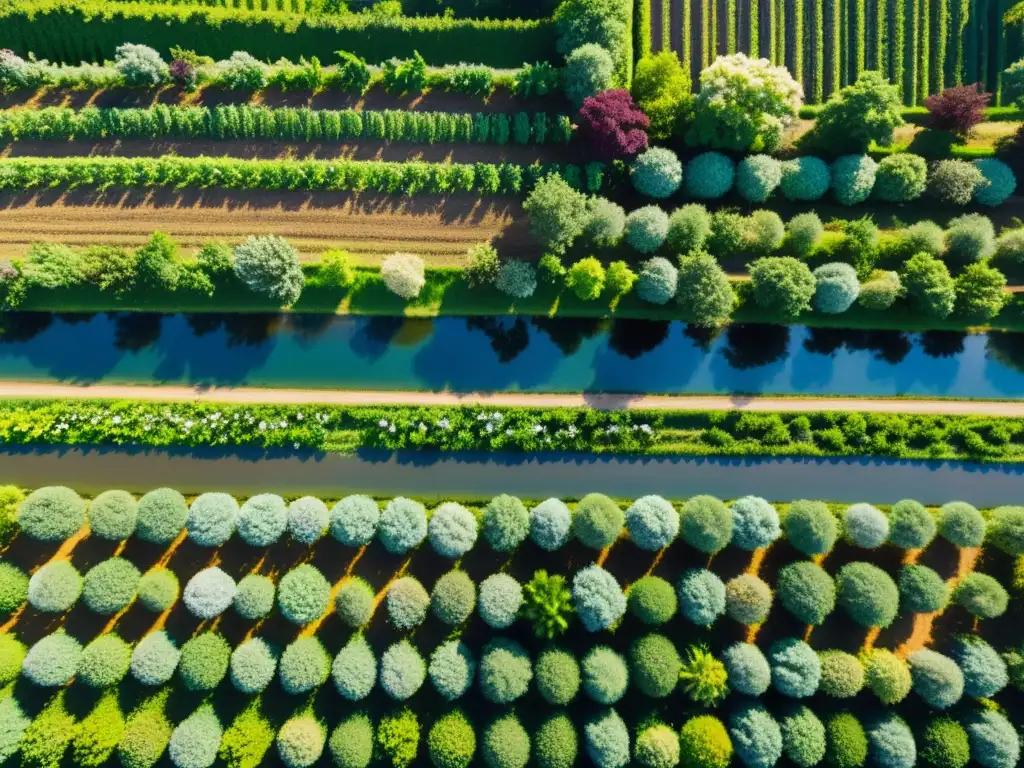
<point>268,265</point>
<point>613,125</point>
<point>558,213</point>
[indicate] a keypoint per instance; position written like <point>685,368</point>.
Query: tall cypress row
<point>881,36</point>
<point>914,10</point>
<point>772,43</point>
<point>798,42</point>
<point>899,42</point>
<point>837,45</point>
<point>705,27</point>
<point>666,32</point>
<point>731,20</point>
<point>983,41</point>
<point>755,23</point>
<point>780,31</point>
<point>924,48</point>
<point>714,28</point>
<point>942,21</point>
<point>861,39</point>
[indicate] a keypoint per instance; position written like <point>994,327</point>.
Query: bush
<point>550,524</point>
<point>262,520</point>
<point>558,676</point>
<point>654,665</point>
<point>98,733</point>
<point>755,523</point>
<point>252,665</point>
<point>51,514</point>
<point>880,291</point>
<point>354,520</point>
<point>452,741</point>
<point>402,670</point>
<point>652,600</point>
<point>743,104</point>
<point>55,587</point>
<point>701,596</point>
<point>104,662</point>
<point>254,597</point>
<point>807,591</point>
<point>597,598</point>
<point>836,288</point>
<point>867,594</point>
<point>961,524</point>
<point>517,279</point>
<point>586,279</point>
<point>154,659</point>
<point>13,588</point>
<point>613,125</point>
<point>658,281</point>
<point>866,111</point>
<point>140,65</point>
<point>953,182</point>
<point>757,176</point>
<point>307,520</point>
<point>803,736</point>
<point>304,594</point>
<point>980,292</point>
<point>984,670</point>
<point>403,525</point>
<point>887,675</point>
<point>646,228</point>
<point>451,669</point>
<point>404,274</point>
<point>704,677</point>
<point>204,661</point>
<point>842,675</point>
<point>606,740</point>
<point>900,177</point>
<point>269,265</point>
<point>803,232</point>
<point>211,519</point>
<point>195,741</point>
<point>782,285</point>
<point>354,669</point>
<point>605,675</point>
<point>161,516</point>
<point>710,175</point>
<point>922,590</point>
<point>506,523</point>
<point>763,233</point>
<point>555,742</point>
<point>756,736</point>
<point>558,213</point>
<point>46,739</point>
<point>853,178</point>
<point>407,603</point>
<point>351,742</point>
<point>748,599</point>
<point>209,593</point>
<point>588,71</point>
<point>706,524</point>
<point>501,597</point>
<point>1010,245</point>
<point>606,223</point>
<point>355,602</point>
<point>748,670</point>
<point>1006,529</point>
<point>303,666</point>
<point>936,678</point>
<point>911,526</point>
<point>993,739</point>
<point>981,595</point>
<point>929,285</point>
<point>970,238</point>
<point>113,515</point>
<point>805,179</point>
<point>704,743</point>
<point>656,173</point>
<point>504,672</point>
<point>657,746</point>
<point>705,295</point>
<point>944,744</point>
<point>53,660</point>
<point>811,528</point>
<point>796,668</point>
<point>146,735</point>
<point>688,228</point>
<point>846,744</point>
<point>865,526</point>
<point>300,742</point>
<point>506,743</point>
<point>398,738</point>
<point>158,589</point>
<point>598,521</point>
<point>548,605</point>
<point>453,597</point>
<point>998,184</point>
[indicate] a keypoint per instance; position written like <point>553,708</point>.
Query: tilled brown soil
<point>372,227</point>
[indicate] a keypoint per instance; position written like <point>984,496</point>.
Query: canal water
<point>505,354</point>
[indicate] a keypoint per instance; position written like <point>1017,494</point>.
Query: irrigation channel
<point>505,354</point>
<point>482,475</point>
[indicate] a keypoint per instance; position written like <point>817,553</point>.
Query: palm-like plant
<point>548,604</point>
<point>703,676</point>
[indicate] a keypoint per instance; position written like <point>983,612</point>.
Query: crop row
<point>281,124</point>
<point>73,31</point>
<point>413,178</point>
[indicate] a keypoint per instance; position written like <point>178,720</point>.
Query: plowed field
<point>439,228</point>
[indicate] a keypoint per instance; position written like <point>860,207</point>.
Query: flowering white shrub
<point>403,274</point>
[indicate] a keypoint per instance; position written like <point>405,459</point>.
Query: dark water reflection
<point>506,353</point>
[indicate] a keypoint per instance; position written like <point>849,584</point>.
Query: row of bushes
<point>73,31</point>
<point>852,179</point>
<point>244,122</point>
<point>20,174</point>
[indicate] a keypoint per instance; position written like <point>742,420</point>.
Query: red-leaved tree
<point>957,109</point>
<point>615,127</point>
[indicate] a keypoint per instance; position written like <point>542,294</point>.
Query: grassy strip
<point>446,293</point>
<point>519,429</point>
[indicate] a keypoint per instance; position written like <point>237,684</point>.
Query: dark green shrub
<point>204,661</point>
<point>842,674</point>
<point>961,524</point>
<point>598,521</point>
<point>922,590</point>
<point>13,588</point>
<point>104,661</point>
<point>51,514</point>
<point>803,737</point>
<point>911,526</point>
<point>704,743</point>
<point>748,599</point>
<point>807,591</point>
<point>555,742</point>
<point>303,594</point>
<point>453,597</point>
<point>506,743</point>
<point>113,515</point>
<point>254,597</point>
<point>652,600</point>
<point>110,585</point>
<point>981,595</point>
<point>158,589</point>
<point>654,665</point>
<point>304,665</point>
<point>351,742</point>
<point>452,741</point>
<point>354,603</point>
<point>557,675</point>
<point>506,523</point>
<point>810,527</point>
<point>846,742</point>
<point>706,524</point>
<point>867,594</point>
<point>161,516</point>
<point>944,744</point>
<point>505,671</point>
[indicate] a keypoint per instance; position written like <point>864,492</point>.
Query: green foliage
<point>104,661</point>
<point>547,604</point>
<point>53,660</point>
<point>944,744</point>
<point>558,676</point>
<point>998,184</point>
<point>196,739</point>
<point>757,176</point>
<point>755,523</point>
<point>597,598</point>
<point>204,661</point>
<point>351,742</point>
<point>607,221</point>
<point>506,523</point>
<point>803,232</point>
<point>702,596</point>
<point>704,292</point>
<point>269,266</point>
<point>407,603</point>
<point>555,742</point>
<point>704,743</point>
<point>253,664</point>
<point>658,281</point>
<point>354,670</point>
<point>48,736</point>
<point>211,519</point>
<point>158,589</point>
<point>865,112</point>
<point>146,734</point>
<point>113,515</point>
<point>98,733</point>
<point>796,668</point>
<point>688,228</point>
<point>657,746</point>
<point>994,741</point>
<point>782,285</point>
<point>154,659</point>
<point>606,740</point>
<point>501,597</point>
<point>505,671</point>
<point>254,598</point>
<point>981,595</point>
<point>661,89</point>
<point>209,593</point>
<point>451,669</point>
<point>646,229</point>
<point>748,669</point>
<point>929,285</point>
<point>1005,530</point>
<point>706,524</point>
<point>953,182</point>
<point>985,672</point>
<point>403,525</point>
<point>303,666</point>
<point>868,594</point>
<point>247,740</point>
<point>354,520</point>
<point>451,742</point>
<point>162,514</point>
<point>398,737</point>
<point>605,675</point>
<point>805,178</point>
<point>506,743</point>
<point>970,238</point>
<point>656,173</point>
<point>654,665</point>
<point>300,742</point>
<point>836,287</point>
<point>911,526</point>
<point>922,590</point>
<point>710,175</point>
<point>961,524</point>
<point>13,724</point>
<point>803,736</point>
<point>842,674</point>
<point>12,654</point>
<point>652,600</point>
<point>558,213</point>
<point>586,278</point>
<point>853,178</point>
<point>51,514</point>
<point>110,586</point>
<point>452,600</point>
<point>262,520</point>
<point>402,670</point>
<point>980,292</point>
<point>55,587</point>
<point>756,736</point>
<point>807,591</point>
<point>846,742</point>
<point>887,675</point>
<point>588,70</point>
<point>936,678</point>
<point>748,599</point>
<point>900,178</point>
<point>703,677</point>
<point>598,521</point>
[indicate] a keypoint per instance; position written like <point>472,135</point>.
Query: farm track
<point>442,228</point>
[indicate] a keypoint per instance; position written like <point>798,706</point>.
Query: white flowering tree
<point>744,104</point>
<point>404,274</point>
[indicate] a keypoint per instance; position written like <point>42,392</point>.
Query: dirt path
<point>442,228</point>
<point>597,401</point>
